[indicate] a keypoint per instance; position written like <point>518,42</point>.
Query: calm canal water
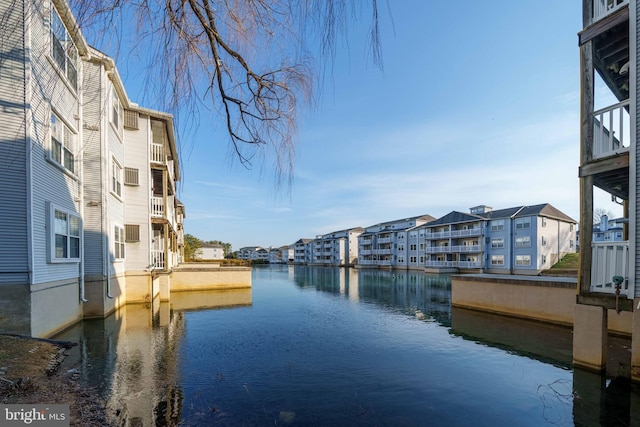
<point>326,346</point>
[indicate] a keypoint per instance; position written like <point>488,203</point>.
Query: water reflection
<point>331,346</point>
<point>405,291</point>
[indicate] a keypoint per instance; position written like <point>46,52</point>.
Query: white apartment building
<point>302,251</point>
<point>64,252</point>
<point>338,248</point>
<point>385,244</point>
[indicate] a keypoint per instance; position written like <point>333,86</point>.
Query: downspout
<point>512,242</point>
<point>81,178</point>
<point>105,176</point>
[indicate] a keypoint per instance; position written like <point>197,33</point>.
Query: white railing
<point>609,259</point>
<point>603,8</point>
<point>467,232</point>
<point>384,240</point>
<point>440,264</point>
<point>469,264</point>
<point>157,153</point>
<point>157,259</point>
<point>157,207</point>
<point>386,251</point>
<point>365,252</point>
<point>451,249</point>
<point>437,234</point>
<point>611,130</point>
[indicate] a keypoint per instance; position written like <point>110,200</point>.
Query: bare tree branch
<point>247,60</point>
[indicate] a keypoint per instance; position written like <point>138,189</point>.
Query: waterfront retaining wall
<point>200,276</point>
<point>549,299</point>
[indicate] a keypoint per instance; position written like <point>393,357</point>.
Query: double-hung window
<point>118,242</point>
<point>116,178</point>
<point>497,259</point>
<point>62,144</point>
<point>497,242</point>
<point>497,225</point>
<point>523,260</point>
<point>63,49</point>
<point>523,223</point>
<point>523,242</point>
<point>116,112</point>
<point>65,230</point>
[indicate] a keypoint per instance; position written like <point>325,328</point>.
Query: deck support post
<point>590,337</point>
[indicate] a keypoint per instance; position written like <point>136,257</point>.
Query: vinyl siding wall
<point>138,197</point>
<point>49,182</point>
<point>14,266</point>
<point>635,156</point>
<point>115,203</point>
<point>94,109</point>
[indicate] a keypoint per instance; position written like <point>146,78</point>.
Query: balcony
<point>384,240</point>
<point>157,207</point>
<point>604,8</point>
<point>609,259</point>
<point>440,264</point>
<point>611,130</point>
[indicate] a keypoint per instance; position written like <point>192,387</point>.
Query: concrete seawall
<point>203,276</point>
<point>548,299</point>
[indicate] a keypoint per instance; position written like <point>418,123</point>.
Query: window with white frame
<point>523,260</point>
<point>63,49</point>
<point>62,144</point>
<point>543,241</point>
<point>523,223</point>
<point>497,242</point>
<point>65,230</point>
<point>497,259</point>
<point>116,178</point>
<point>116,112</point>
<point>544,259</point>
<point>570,243</point>
<point>118,242</point>
<point>401,247</point>
<point>523,242</point>
<point>401,260</point>
<point>422,246</point>
<point>570,227</point>
<point>497,225</point>
<point>544,221</point>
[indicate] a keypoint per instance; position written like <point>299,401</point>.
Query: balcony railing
<point>157,153</point>
<point>611,130</point>
<point>452,249</point>
<point>609,259</point>
<point>454,233</point>
<point>440,264</point>
<point>158,259</point>
<point>603,8</point>
<point>157,207</point>
<point>384,240</point>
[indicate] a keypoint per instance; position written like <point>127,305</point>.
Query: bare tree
<point>248,60</point>
<point>598,213</point>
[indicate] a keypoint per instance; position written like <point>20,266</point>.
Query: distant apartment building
<point>302,250</point>
<point>518,240</point>
<point>609,230</point>
<point>338,248</point>
<point>385,244</point>
<point>210,251</point>
<point>249,253</point>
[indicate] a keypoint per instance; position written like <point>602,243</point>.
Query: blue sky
<point>478,103</point>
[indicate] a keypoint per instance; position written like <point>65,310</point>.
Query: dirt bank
<point>30,373</point>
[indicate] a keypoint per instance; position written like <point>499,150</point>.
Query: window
<point>523,260</point>
<point>63,50</point>
<point>401,247</point>
<point>497,225</point>
<point>116,178</point>
<point>570,227</point>
<point>115,114</point>
<point>64,235</point>
<point>523,242</point>
<point>62,144</point>
<point>422,246</point>
<point>544,259</point>
<point>544,221</point>
<point>523,223</point>
<point>401,260</point>
<point>497,242</point>
<point>118,242</point>
<point>497,259</point>
<point>421,260</point>
<point>570,243</point>
<point>543,241</point>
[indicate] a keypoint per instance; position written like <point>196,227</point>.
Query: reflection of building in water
<point>131,358</point>
<point>404,290</point>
